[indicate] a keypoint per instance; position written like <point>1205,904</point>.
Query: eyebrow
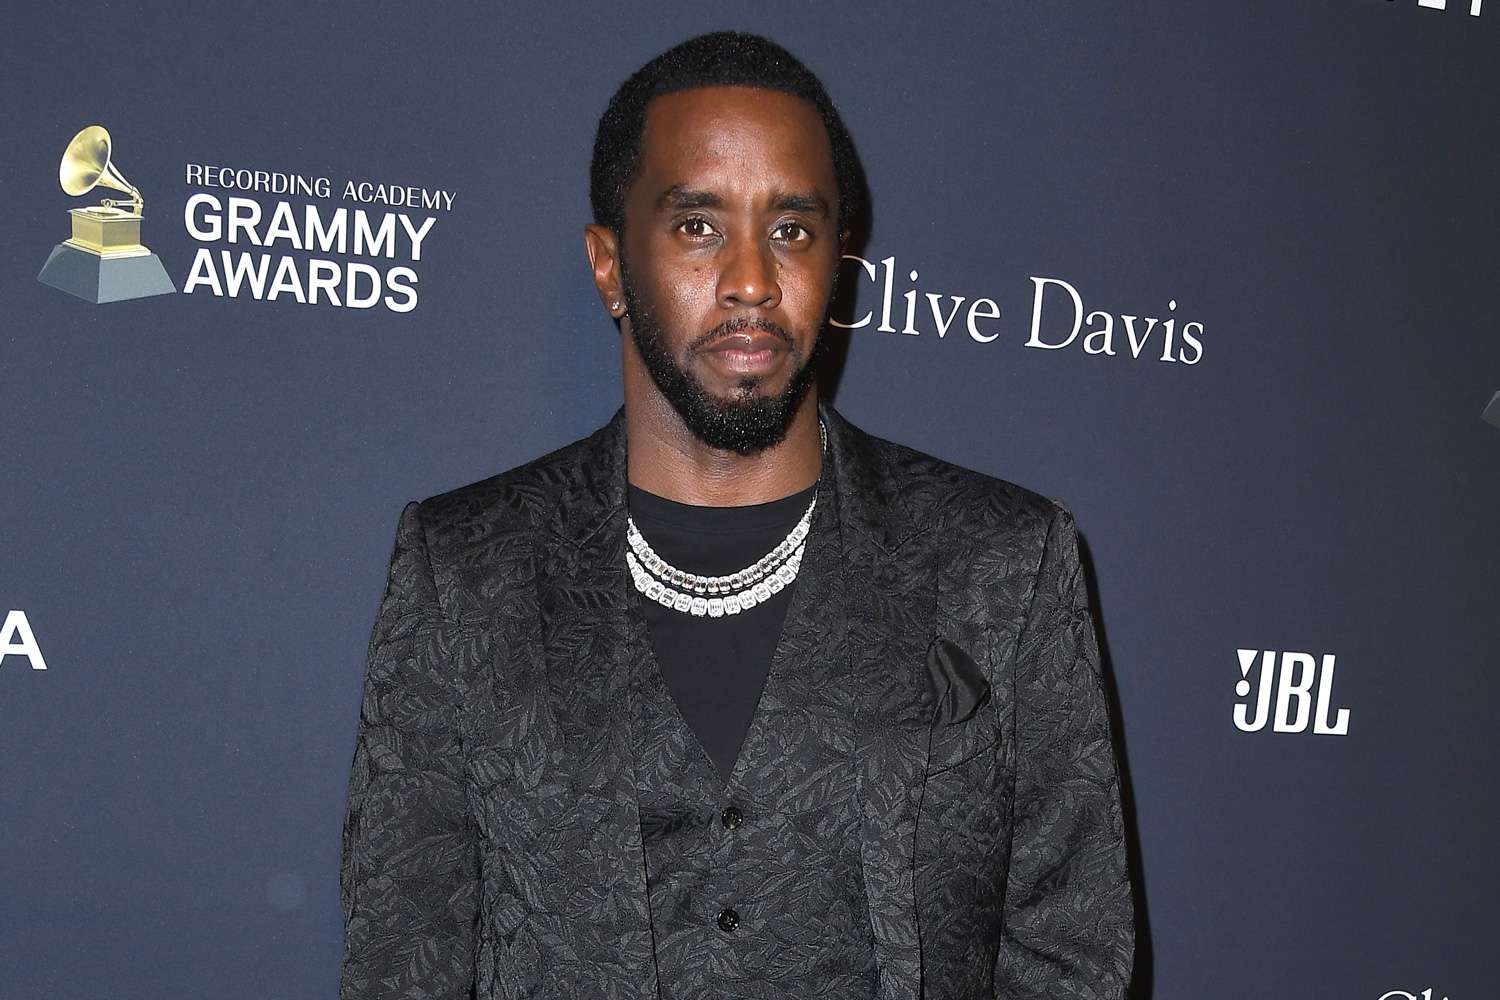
<point>679,197</point>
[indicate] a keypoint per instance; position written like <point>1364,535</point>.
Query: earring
<point>614,307</point>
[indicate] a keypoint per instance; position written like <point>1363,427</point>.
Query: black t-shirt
<point>715,667</point>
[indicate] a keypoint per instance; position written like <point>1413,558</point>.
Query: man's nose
<point>749,278</point>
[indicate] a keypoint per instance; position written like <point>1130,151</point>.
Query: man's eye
<point>696,226</point>
<point>791,231</point>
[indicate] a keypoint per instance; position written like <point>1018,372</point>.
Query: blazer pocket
<point>964,722</point>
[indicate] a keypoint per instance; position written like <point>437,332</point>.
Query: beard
<point>745,423</point>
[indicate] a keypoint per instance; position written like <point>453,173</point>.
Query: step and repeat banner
<point>1221,276</point>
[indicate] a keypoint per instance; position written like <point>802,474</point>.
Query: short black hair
<point>717,59</point>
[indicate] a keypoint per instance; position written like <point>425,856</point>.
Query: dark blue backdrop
<point>200,492</point>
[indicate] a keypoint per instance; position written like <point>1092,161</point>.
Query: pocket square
<point>957,681</point>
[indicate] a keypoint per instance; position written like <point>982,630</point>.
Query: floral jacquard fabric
<point>787,865</point>
<point>493,842</point>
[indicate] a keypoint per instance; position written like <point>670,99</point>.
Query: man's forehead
<point>708,128</point>
<point>727,98</point>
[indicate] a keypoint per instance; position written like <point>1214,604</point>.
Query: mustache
<point>739,324</point>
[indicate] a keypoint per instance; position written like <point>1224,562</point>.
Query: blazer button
<point>731,817</point>
<point>728,920</point>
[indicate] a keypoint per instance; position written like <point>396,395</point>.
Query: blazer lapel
<point>599,884</point>
<point>889,587</point>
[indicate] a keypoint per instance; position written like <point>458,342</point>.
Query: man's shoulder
<point>938,493</point>
<point>506,503</point>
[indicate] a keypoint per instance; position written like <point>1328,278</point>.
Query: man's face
<point>729,256</point>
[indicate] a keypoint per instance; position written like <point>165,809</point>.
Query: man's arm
<point>409,872</point>
<point>1069,922</point>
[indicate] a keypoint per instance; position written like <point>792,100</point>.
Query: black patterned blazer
<point>492,845</point>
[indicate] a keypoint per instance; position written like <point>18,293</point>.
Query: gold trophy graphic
<point>104,260</point>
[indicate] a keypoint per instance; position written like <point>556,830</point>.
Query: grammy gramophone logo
<point>103,261</point>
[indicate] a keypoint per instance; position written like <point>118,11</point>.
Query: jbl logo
<point>1293,684</point>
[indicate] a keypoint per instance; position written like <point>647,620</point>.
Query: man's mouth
<point>747,352</point>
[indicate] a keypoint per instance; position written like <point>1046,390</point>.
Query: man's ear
<point>603,247</point>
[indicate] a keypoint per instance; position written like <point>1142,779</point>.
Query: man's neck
<point>665,458</point>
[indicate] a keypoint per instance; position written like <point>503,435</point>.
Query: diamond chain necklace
<point>716,596</point>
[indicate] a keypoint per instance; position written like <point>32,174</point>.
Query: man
<point>731,699</point>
